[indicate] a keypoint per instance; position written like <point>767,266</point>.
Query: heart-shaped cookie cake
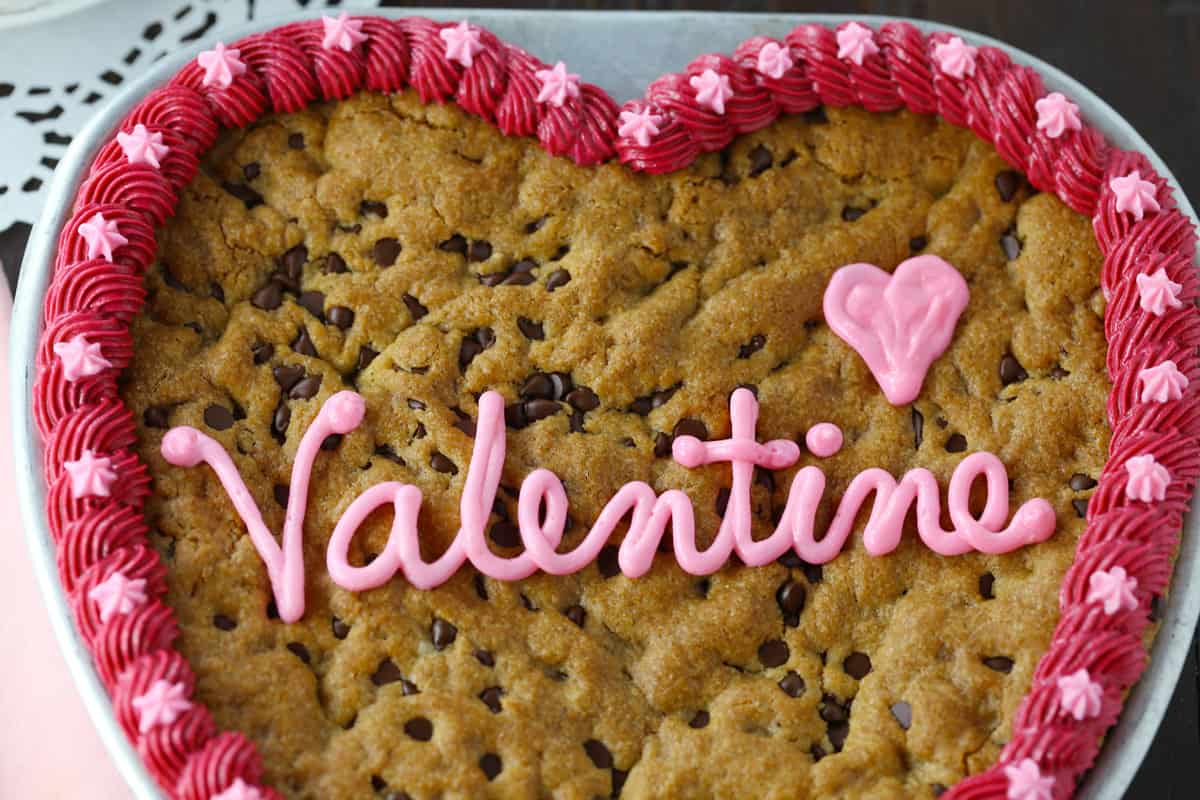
<point>819,425</point>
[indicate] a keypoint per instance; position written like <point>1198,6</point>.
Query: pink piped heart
<point>898,323</point>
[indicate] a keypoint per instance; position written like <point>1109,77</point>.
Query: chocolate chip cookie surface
<point>420,257</point>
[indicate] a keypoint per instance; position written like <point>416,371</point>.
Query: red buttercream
<point>136,562</point>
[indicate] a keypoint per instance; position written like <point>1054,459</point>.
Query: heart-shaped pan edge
<point>288,67</point>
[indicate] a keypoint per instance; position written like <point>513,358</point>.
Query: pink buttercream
<point>773,60</point>
<point>462,43</point>
<point>162,704</point>
<point>118,594</point>
<point>239,790</point>
<point>1157,292</point>
<point>221,65</point>
<point>642,125</point>
<point>823,439</point>
<point>898,323</point>
<point>955,57</point>
<point>80,358</point>
<point>1113,589</point>
<point>1026,781</point>
<point>1148,480</point>
<point>142,146</point>
<point>1056,115</point>
<point>557,85</point>
<point>1162,383</point>
<point>1079,695</point>
<point>1134,195</point>
<point>856,42</point>
<point>91,475</point>
<point>102,236</point>
<point>342,32</point>
<point>712,90</point>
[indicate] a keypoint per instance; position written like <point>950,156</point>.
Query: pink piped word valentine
<point>898,323</point>
<point>542,510</point>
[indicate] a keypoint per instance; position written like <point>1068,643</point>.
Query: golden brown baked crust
<point>694,282</point>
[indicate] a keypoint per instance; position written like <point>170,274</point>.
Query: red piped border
<point>288,68</point>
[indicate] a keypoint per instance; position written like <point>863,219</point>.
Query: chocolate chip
<point>442,633</point>
<point>223,623</point>
<point>1158,608</point>
<point>1011,245</point>
<point>262,352</point>
<point>560,277</point>
<point>690,426</point>
<point>562,384</point>
<point>251,171</point>
<point>957,443</point>
<point>1007,183</point>
<point>281,492</point>
<point>837,732</point>
<point>272,609</point>
<point>217,292</point>
<point>918,427</point>
<point>518,279</point>
<point>334,264</point>
<point>268,298</point>
<point>249,197</point>
<point>791,596</point>
<point>987,582</point>
<point>662,445</point>
<point>491,698</point>
<point>415,309</point>
<point>1011,370</point>
<point>583,399</point>
<point>773,653</point>
<point>156,417</point>
<point>505,534</point>
<point>303,344</point>
<point>760,160</point>
<point>852,213</point>
<point>294,259</point>
<point>903,713</point>
<point>699,720</point>
<point>722,501</point>
<point>378,783</point>
<point>999,664</point>
<point>576,614</point>
<point>467,352</point>
<point>419,728</point>
<point>365,356</point>
<point>857,665</point>
<point>386,451</point>
<point>792,684</point>
<point>300,651</point>
<point>537,386</point>
<point>342,317</point>
<point>535,226</point>
<point>340,629</point>
<point>607,562</point>
<point>756,343</point>
<point>1080,507</point>
<point>331,442</point>
<point>938,789</point>
<point>485,657</point>
<point>218,418</point>
<point>1081,482</point>
<point>287,375</point>
<point>442,464</point>
<point>531,330</point>
<point>540,409</point>
<point>296,141</point>
<point>1058,373</point>
<point>479,251</point>
<point>575,423</point>
<point>455,244</point>
<point>373,207</point>
<point>560,252</point>
<point>598,753</point>
<point>491,765</point>
<point>313,302</point>
<point>306,388</point>
<point>813,573</point>
<point>917,244</point>
<point>385,251</point>
<point>387,672</point>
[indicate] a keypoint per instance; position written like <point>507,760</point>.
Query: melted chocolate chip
<point>287,375</point>
<point>576,614</point>
<point>491,765</point>
<point>342,317</point>
<point>386,451</point>
<point>331,442</point>
<point>491,698</point>
<point>479,251</point>
<point>505,534</point>
<point>756,343</point>
<point>852,214</point>
<point>556,279</point>
<point>917,244</point>
<point>441,463</point>
<point>386,251</point>
<point>419,729</point>
<point>1081,483</point>
<point>268,298</point>
<point>773,653</point>
<point>281,492</point>
<point>300,652</point>
<point>219,418</point>
<point>306,388</point>
<point>987,582</point>
<point>857,665</point>
<point>535,410</point>
<point>313,302</point>
<point>415,309</point>
<point>791,596</point>
<point>223,623</point>
<point>957,443</point>
<point>1011,370</point>
<point>902,712</point>
<point>538,385</point>
<point>607,562</point>
<point>485,657</point>
<point>690,426</point>
<point>518,279</point>
<point>760,160</point>
<point>217,292</point>
<point>365,356</point>
<point>600,755</point>
<point>837,732</point>
<point>442,633</point>
<point>1007,183</point>
<point>294,259</point>
<point>530,329</point>
<point>1011,245</point>
<point>334,264</point>
<point>699,720</point>
<point>156,417</point>
<point>303,344</point>
<point>262,352</point>
<point>1080,507</point>
<point>296,141</point>
<point>792,684</point>
<point>535,226</point>
<point>251,171</point>
<point>662,445</point>
<point>249,197</point>
<point>722,501</point>
<point>340,629</point>
<point>938,789</point>
<point>999,664</point>
<point>374,208</point>
<point>455,244</point>
<point>387,672</point>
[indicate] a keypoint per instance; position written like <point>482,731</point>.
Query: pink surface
<point>41,714</point>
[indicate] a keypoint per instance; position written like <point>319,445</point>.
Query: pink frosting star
<point>91,475</point>
<point>557,85</point>
<point>955,57</point>
<point>342,32</point>
<point>80,358</point>
<point>1113,589</point>
<point>1079,695</point>
<point>462,43</point>
<point>1026,781</point>
<point>1057,115</point>
<point>239,790</point>
<point>1148,479</point>
<point>1134,194</point>
<point>641,125</point>
<point>162,704</point>
<point>140,146</point>
<point>221,65</point>
<point>102,236</point>
<point>118,595</point>
<point>1157,292</point>
<point>712,89</point>
<point>774,60</point>
<point>1162,383</point>
<point>856,42</point>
